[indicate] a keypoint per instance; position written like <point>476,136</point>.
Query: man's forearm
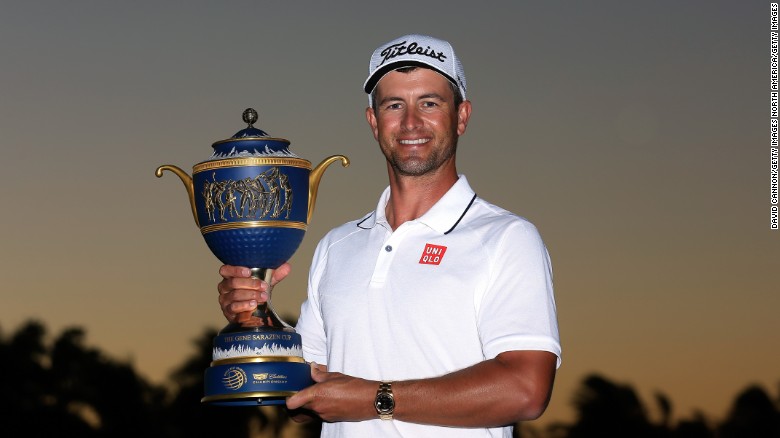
<point>515,386</point>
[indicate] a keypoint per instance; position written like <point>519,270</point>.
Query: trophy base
<point>256,381</point>
<point>257,360</point>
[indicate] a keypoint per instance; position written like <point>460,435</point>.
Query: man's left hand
<point>336,396</point>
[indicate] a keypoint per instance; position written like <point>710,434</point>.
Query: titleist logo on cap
<point>419,51</point>
<point>413,48</point>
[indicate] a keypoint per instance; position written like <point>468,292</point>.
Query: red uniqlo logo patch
<point>432,254</point>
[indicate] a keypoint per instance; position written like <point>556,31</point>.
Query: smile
<point>417,141</point>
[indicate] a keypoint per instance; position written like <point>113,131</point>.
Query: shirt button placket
<point>385,258</point>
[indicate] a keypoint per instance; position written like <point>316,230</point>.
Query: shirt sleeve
<point>516,310</point>
<point>310,324</point>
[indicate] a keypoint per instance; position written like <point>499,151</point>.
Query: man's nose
<point>411,119</point>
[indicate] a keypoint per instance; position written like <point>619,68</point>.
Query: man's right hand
<point>239,292</point>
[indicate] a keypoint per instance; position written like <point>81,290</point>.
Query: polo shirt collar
<point>442,217</point>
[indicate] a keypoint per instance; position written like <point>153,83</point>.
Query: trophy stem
<point>263,317</point>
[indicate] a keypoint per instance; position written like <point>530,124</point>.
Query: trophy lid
<point>251,142</point>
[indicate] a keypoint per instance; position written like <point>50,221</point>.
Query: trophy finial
<point>249,116</point>
<point>250,132</point>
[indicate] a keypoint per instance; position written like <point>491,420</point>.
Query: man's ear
<point>371,118</point>
<point>464,114</point>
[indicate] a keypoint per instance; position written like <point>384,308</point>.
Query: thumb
<point>318,372</point>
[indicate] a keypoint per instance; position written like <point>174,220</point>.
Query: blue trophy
<point>253,200</point>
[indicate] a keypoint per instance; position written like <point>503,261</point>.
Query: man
<point>432,316</point>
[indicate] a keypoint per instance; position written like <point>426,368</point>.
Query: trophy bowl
<point>253,200</point>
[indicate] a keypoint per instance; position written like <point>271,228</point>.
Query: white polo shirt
<point>461,284</point>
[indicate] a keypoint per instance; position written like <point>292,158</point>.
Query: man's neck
<point>412,196</point>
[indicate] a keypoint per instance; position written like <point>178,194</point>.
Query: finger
<point>228,271</point>
<point>301,416</point>
<point>228,285</point>
<point>237,295</point>
<point>280,273</point>
<point>299,399</point>
<point>244,306</point>
<point>240,300</point>
<point>232,308</point>
<point>317,373</point>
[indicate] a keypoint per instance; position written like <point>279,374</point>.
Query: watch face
<point>385,402</point>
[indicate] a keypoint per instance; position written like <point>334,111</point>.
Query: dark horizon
<point>70,389</point>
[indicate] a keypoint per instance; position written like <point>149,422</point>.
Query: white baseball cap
<point>419,50</point>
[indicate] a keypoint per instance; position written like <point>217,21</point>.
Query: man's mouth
<point>415,141</point>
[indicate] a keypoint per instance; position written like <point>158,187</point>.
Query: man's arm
<point>514,386</point>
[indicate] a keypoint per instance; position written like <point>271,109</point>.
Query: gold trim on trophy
<point>257,359</point>
<point>251,161</point>
<point>316,175</point>
<point>186,180</point>
<point>241,395</point>
<point>252,224</point>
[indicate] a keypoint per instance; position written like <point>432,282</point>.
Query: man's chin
<point>412,168</point>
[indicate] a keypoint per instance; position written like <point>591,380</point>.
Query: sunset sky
<point>634,135</point>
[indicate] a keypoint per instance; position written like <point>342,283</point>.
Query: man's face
<point>416,122</point>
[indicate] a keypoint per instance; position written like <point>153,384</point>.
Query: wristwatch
<point>384,401</point>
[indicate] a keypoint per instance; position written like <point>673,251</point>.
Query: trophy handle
<point>316,175</point>
<point>186,180</point>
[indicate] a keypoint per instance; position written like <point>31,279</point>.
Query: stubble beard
<point>416,165</point>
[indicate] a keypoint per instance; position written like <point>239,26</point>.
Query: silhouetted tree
<point>70,390</point>
<point>609,410</point>
<point>752,415</point>
<point>118,400</point>
<point>27,388</point>
<point>695,428</point>
<point>606,410</point>
<point>665,406</point>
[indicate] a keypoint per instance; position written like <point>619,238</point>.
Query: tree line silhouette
<point>63,388</point>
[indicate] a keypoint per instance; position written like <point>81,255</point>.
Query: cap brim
<point>372,80</point>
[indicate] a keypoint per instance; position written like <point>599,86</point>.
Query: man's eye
<point>429,104</point>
